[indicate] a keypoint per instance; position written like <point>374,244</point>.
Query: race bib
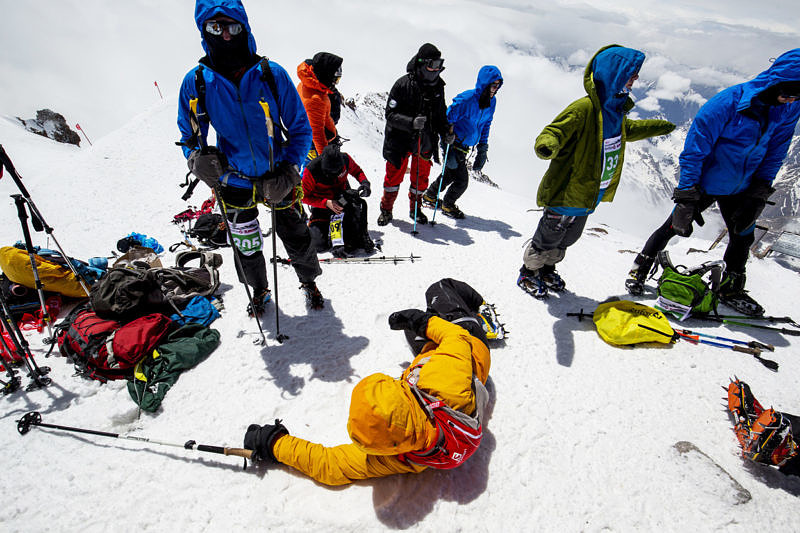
<point>336,230</point>
<point>611,152</point>
<point>247,236</point>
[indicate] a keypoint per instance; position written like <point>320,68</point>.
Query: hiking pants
<point>394,177</point>
<point>290,228</point>
<point>738,249</point>
<point>553,236</point>
<point>455,180</point>
<point>456,302</point>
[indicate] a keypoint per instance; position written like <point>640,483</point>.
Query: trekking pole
<point>26,233</point>
<point>416,194</point>
<point>13,384</point>
<point>751,344</point>
<point>34,419</point>
<point>441,180</point>
<point>236,261</point>
<point>785,331</point>
<point>36,373</point>
<point>278,335</point>
<point>755,352</point>
<point>778,319</point>
<point>37,218</point>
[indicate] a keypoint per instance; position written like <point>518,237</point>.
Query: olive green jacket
<point>574,143</point>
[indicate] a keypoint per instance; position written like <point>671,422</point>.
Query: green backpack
<point>689,291</point>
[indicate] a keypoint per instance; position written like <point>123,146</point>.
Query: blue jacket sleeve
<point>456,110</point>
<point>187,92</point>
<point>703,134</point>
<point>294,117</point>
<point>487,125</point>
<point>778,144</point>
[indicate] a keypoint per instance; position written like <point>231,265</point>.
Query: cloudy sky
<point>95,61</point>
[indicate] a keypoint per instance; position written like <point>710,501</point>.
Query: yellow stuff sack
<point>16,265</point>
<point>621,322</point>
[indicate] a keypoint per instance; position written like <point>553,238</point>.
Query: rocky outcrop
<point>53,126</point>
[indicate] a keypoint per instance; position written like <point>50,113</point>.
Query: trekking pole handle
<point>746,349</point>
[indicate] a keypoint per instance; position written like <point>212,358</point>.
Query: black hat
<point>428,51</point>
<point>326,66</point>
<point>332,160</point>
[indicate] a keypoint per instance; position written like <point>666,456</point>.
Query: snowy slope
<point>580,435</point>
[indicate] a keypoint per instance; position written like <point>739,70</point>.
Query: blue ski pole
<point>441,179</point>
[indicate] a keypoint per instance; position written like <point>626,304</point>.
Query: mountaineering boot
<point>638,274</point>
<point>550,277</point>
<point>452,211</point>
<point>314,298</point>
<point>339,252</point>
<point>530,282</point>
<point>428,200</point>
<point>260,299</point>
<point>732,294</point>
<point>385,217</point>
<point>366,243</point>
<point>421,218</point>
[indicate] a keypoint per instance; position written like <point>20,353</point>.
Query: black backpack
<point>209,229</point>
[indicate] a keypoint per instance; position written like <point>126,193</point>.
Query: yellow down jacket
<point>385,418</point>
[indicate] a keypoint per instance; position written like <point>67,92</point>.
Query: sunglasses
<point>784,95</point>
<point>433,64</point>
<point>215,27</point>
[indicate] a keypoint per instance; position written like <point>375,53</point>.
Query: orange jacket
<point>386,419</point>
<point>318,106</point>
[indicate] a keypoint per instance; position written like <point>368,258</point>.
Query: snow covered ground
<point>581,434</point>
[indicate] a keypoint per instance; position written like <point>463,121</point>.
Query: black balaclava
<point>325,67</point>
<point>486,97</point>
<point>426,77</point>
<point>770,95</point>
<point>332,162</point>
<point>228,57</point>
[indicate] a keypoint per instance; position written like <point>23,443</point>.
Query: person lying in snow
<point>430,417</point>
<point>767,436</point>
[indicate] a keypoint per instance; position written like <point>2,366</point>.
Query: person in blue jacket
<point>733,151</point>
<point>471,115</point>
<point>263,135</point>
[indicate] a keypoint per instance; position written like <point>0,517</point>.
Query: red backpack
<point>104,349</point>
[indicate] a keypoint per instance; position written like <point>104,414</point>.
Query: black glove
<point>208,165</point>
<point>274,186</point>
<point>412,320</point>
<point>480,156</point>
<point>449,137</point>
<point>419,122</point>
<point>364,189</point>
<point>261,438</point>
<point>686,201</point>
<point>751,203</point>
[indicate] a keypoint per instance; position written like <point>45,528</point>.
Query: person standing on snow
<point>326,191</point>
<point>431,417</point>
<point>733,151</point>
<point>586,146</point>
<point>415,118</point>
<point>262,137</point>
<point>318,78</point>
<point>471,114</point>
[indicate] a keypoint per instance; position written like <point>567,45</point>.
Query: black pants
<point>290,227</point>
<point>454,181</point>
<point>738,249</point>
<point>456,302</point>
<point>354,225</point>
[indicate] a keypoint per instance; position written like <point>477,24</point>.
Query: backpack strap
<point>268,76</point>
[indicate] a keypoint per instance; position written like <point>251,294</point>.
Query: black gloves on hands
<point>419,122</point>
<point>208,165</point>
<point>686,201</point>
<point>364,189</point>
<point>261,438</point>
<point>412,320</point>
<point>752,203</point>
<point>449,137</point>
<point>480,156</point>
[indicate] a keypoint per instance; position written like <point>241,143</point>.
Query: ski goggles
<point>216,27</point>
<point>432,64</point>
<point>790,94</point>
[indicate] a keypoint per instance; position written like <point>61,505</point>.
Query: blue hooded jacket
<point>471,123</point>
<point>611,70</point>
<point>726,148</point>
<point>235,112</point>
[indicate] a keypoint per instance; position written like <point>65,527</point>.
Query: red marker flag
<point>159,89</point>
<point>78,127</point>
